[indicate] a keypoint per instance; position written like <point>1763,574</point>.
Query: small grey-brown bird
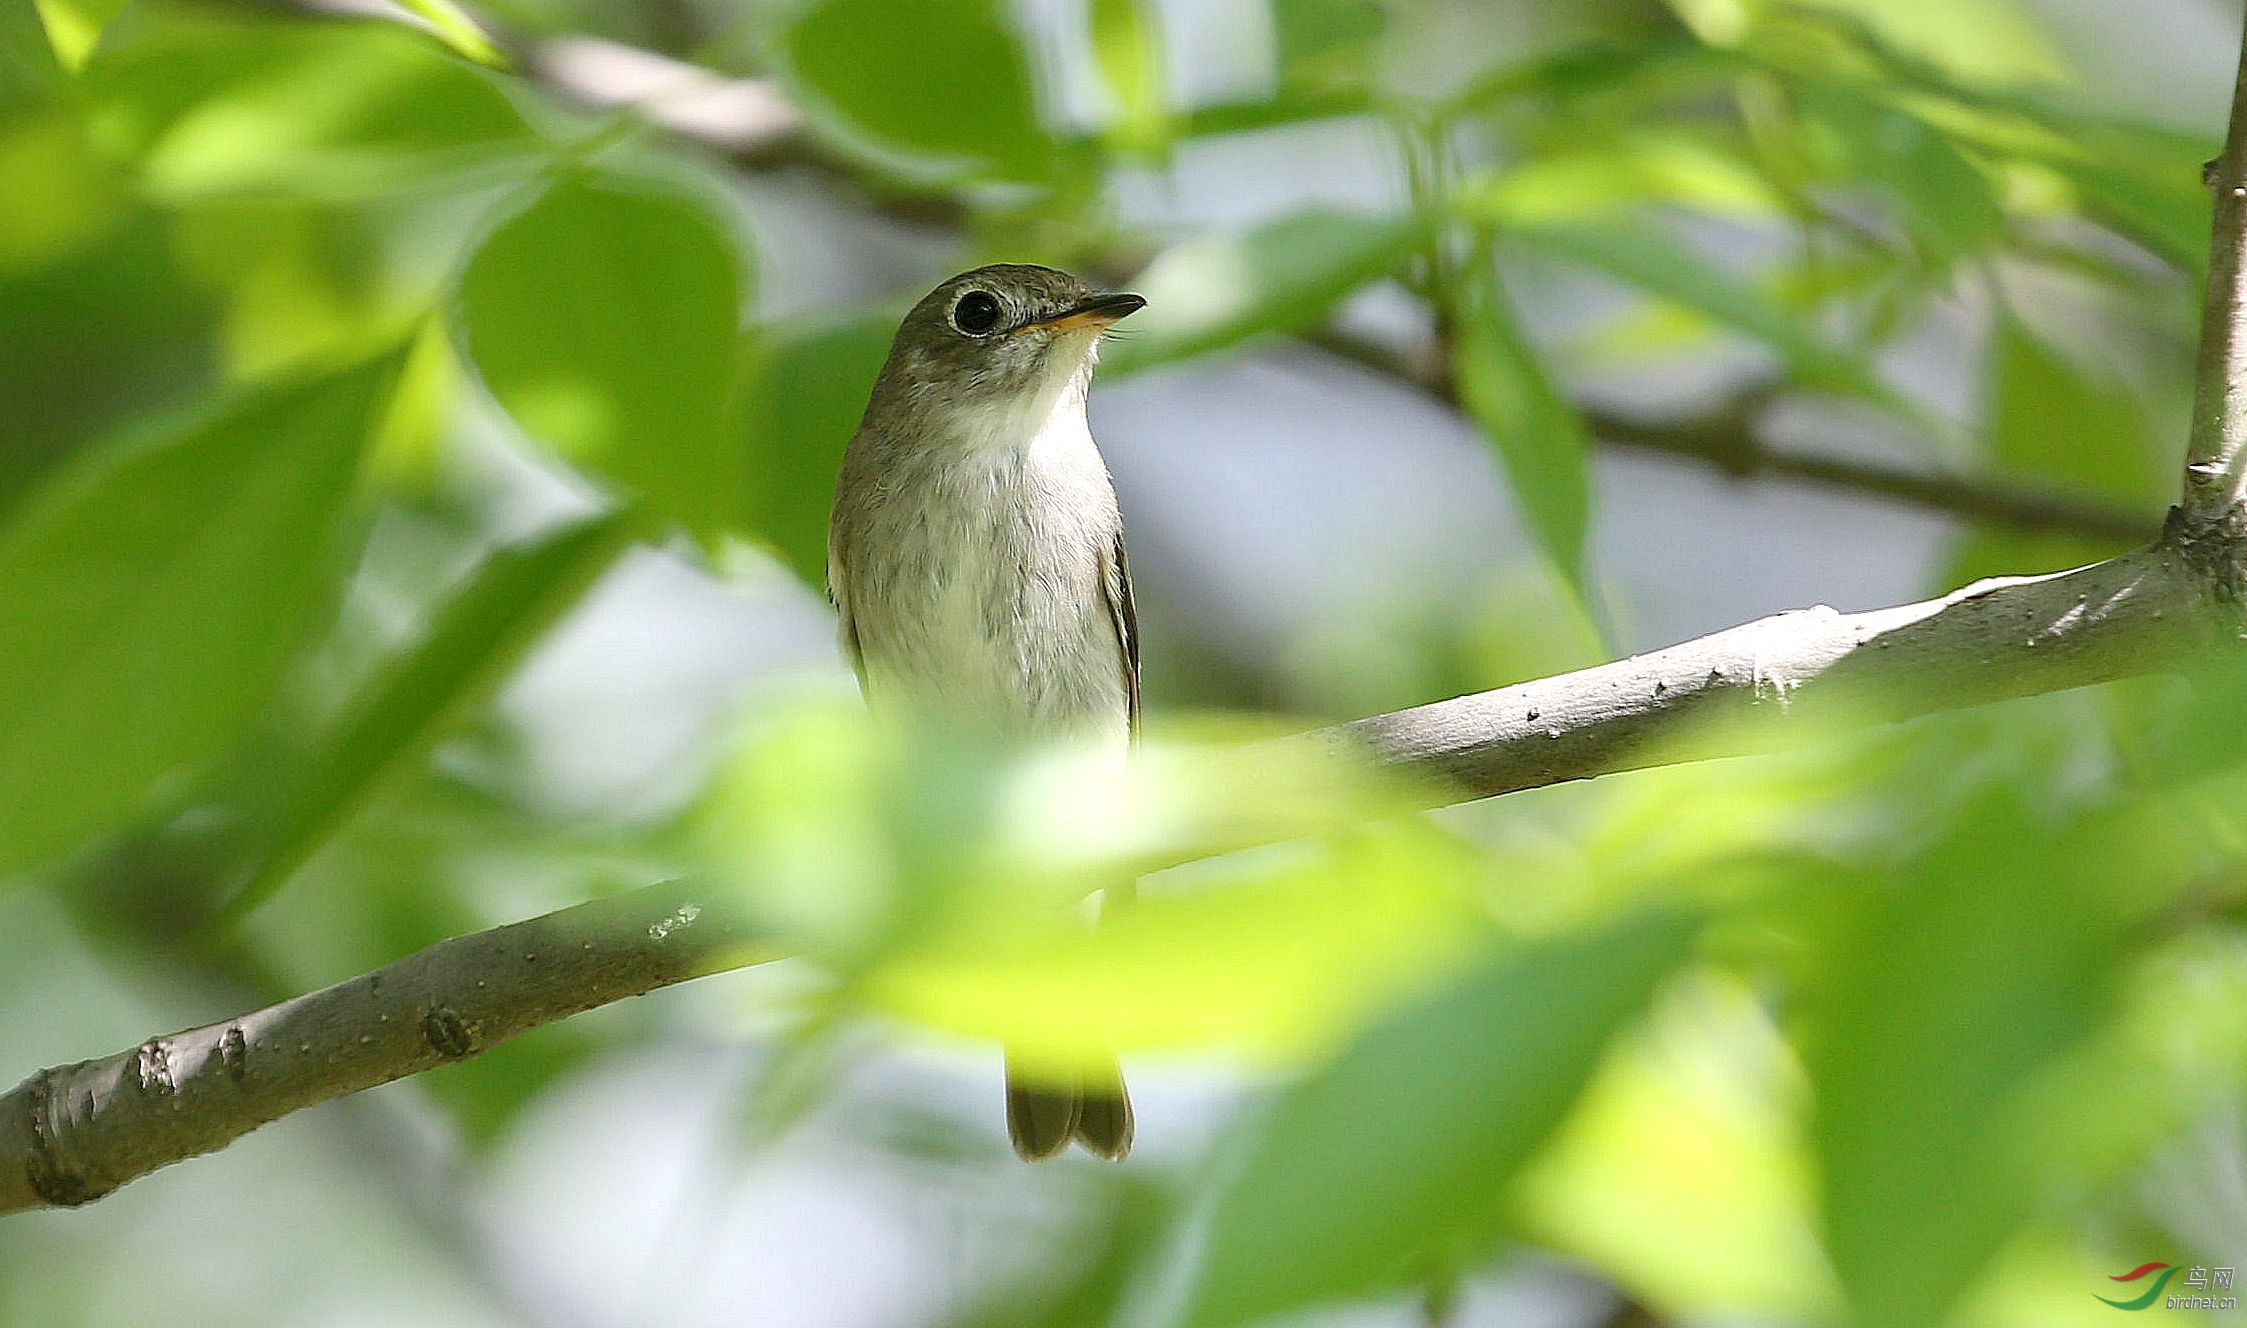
<point>976,557</point>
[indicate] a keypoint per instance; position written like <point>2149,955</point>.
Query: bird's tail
<point>1094,1108</point>
<point>1042,1116</point>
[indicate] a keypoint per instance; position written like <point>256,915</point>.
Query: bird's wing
<point>838,594</point>
<point>1115,575</point>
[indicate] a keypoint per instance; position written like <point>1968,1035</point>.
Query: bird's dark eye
<point>976,313</point>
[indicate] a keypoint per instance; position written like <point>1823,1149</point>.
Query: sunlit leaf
<point>1587,180</point>
<point>944,80</point>
<point>1217,290</point>
<point>459,31</point>
<point>213,103</point>
<point>151,596</point>
<point>1272,961</point>
<point>604,317</point>
<point>805,393</point>
<point>1997,41</point>
<point>73,26</point>
<point>1127,43</point>
<point>1541,440</point>
<point>1393,1160</point>
<point>1682,1174</point>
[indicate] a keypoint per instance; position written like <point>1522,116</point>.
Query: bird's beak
<point>1097,312</point>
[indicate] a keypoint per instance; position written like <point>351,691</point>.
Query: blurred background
<point>417,426</point>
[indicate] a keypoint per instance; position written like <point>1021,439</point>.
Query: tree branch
<point>1725,437</point>
<point>2216,449</point>
<point>72,1133</point>
<point>1746,689</point>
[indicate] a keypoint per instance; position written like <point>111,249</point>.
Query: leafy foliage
<point>1885,1032</point>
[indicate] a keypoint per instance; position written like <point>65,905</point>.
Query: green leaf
<point>942,79</point>
<point>604,317</point>
<point>805,393</point>
<point>1218,290</point>
<point>1646,257</point>
<point>1389,1161</point>
<point>458,30</point>
<point>1930,1021</point>
<point>74,26</point>
<point>1127,44</point>
<point>1327,45</point>
<point>1949,203</point>
<point>1540,438</point>
<point>1987,41</point>
<point>212,103</point>
<point>2054,420</point>
<point>30,73</point>
<point>472,642</point>
<point>153,595</point>
<point>2054,423</point>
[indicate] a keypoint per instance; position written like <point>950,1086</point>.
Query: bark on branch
<point>72,1133</point>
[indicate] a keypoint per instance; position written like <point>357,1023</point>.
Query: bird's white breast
<point>978,588</point>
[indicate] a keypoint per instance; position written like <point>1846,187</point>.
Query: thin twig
<point>1725,437</point>
<point>771,135</point>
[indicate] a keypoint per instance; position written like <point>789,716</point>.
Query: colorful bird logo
<point>2153,1293</point>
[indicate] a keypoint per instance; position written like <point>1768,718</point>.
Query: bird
<point>976,563</point>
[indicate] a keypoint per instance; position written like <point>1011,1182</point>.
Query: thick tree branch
<point>2216,450</point>
<point>73,1133</point>
<point>1748,688</point>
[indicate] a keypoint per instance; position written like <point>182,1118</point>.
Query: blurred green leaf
<point>29,72</point>
<point>940,79</point>
<point>74,26</point>
<point>153,595</point>
<point>1217,290</point>
<point>1930,1020</point>
<point>805,393</point>
<point>1681,1174</point>
<point>458,29</point>
<point>1271,961</point>
<point>94,337</point>
<point>1393,1160</point>
<point>1950,205</point>
<point>2051,420</point>
<point>2055,420</point>
<point>1127,44</point>
<point>215,102</point>
<point>1585,178</point>
<point>1989,41</point>
<point>470,644</point>
<point>2145,182</point>
<point>604,316</point>
<point>1541,440</point>
<point>1642,255</point>
<point>1327,45</point>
